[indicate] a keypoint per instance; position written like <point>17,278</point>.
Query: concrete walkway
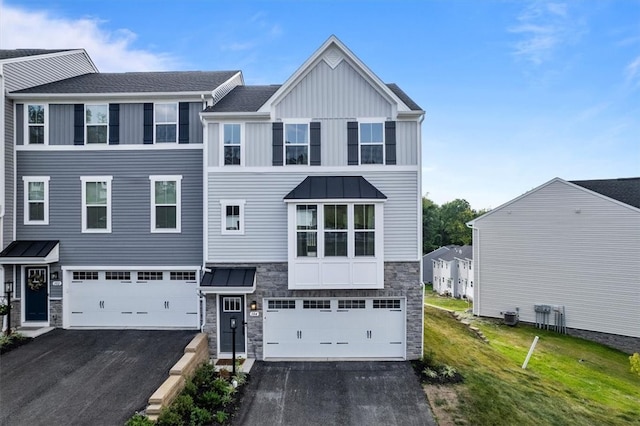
<point>334,393</point>
<point>85,377</point>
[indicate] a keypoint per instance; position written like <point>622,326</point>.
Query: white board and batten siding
<point>561,245</point>
<point>266,213</point>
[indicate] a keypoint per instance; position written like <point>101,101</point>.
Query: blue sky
<point>515,92</point>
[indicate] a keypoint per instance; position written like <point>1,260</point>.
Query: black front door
<point>35,294</point>
<point>231,307</point>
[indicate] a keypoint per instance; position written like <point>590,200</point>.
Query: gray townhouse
<point>288,215</point>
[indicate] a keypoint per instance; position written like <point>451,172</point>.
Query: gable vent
<point>333,57</point>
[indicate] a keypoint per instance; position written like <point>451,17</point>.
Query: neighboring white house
<point>571,245</point>
<point>427,263</point>
<point>453,272</point>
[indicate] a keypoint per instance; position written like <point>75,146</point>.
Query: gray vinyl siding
<point>257,147</point>
<point>61,124</point>
<point>340,92</point>
<point>539,250</point>
<point>130,242</point>
<point>131,124</point>
<point>258,143</point>
<point>8,169</point>
<point>265,238</point>
<point>34,72</point>
<point>195,126</point>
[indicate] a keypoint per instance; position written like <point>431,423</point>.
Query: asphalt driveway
<point>86,377</point>
<point>333,393</point>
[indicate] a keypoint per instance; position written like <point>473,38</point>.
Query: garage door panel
<point>131,303</point>
<point>362,330</point>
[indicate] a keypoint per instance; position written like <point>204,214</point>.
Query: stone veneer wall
<point>55,313</point>
<point>625,344</point>
<point>402,279</point>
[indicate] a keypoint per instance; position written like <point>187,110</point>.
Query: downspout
<point>476,267</point>
<point>419,160</point>
<point>205,221</point>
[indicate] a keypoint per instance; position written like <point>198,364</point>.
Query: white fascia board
<point>315,58</point>
<point>49,55</point>
<point>410,115</point>
<point>227,290</point>
<point>114,97</point>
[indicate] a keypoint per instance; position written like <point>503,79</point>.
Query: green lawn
<point>433,298</point>
<point>568,381</point>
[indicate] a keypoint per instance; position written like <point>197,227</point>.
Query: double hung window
<point>371,143</point>
<point>96,203</point>
<point>296,142</point>
<point>232,218</point>
<point>36,121</point>
<point>165,203</point>
<point>97,123</point>
<point>341,230</point>
<point>232,144</point>
<point>307,230</point>
<point>36,200</point>
<point>166,122</point>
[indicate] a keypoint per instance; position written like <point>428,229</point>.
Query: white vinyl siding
<point>266,223</point>
<point>561,245</point>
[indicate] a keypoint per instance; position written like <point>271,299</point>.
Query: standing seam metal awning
<point>31,252</point>
<point>229,280</point>
<point>335,187</point>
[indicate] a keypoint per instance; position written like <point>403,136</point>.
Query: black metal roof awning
<point>335,187</point>
<point>229,280</point>
<point>32,252</point>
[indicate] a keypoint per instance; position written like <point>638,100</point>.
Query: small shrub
<point>169,417</point>
<point>221,417</point>
<point>634,360</point>
<point>448,371</point>
<point>139,420</point>
<point>433,372</point>
<point>200,416</point>
<point>12,341</point>
<point>211,400</point>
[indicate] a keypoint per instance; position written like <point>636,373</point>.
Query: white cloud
<point>111,50</point>
<point>633,72</point>
<point>543,28</point>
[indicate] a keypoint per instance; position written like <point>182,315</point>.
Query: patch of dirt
<point>444,404</point>
<point>225,361</point>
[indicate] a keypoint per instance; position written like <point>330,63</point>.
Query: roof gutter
<point>119,95</point>
<point>213,116</point>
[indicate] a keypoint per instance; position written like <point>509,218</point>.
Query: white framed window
<point>165,122</point>
<point>36,200</point>
<point>232,137</point>
<point>342,230</point>
<point>166,203</point>
<point>36,124</point>
<point>371,143</point>
<point>96,203</point>
<point>296,143</point>
<point>231,304</point>
<point>232,217</point>
<point>96,123</point>
<point>307,230</point>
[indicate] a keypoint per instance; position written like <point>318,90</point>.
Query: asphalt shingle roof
<point>244,99</point>
<point>23,53</point>
<point>136,82</point>
<point>404,97</point>
<point>625,190</point>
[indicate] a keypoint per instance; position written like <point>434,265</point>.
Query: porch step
<point>33,331</point>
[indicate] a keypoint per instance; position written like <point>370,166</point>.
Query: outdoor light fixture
<point>8,286</point>
<point>55,276</point>
<point>254,305</point>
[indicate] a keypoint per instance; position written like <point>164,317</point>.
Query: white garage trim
<point>117,297</point>
<point>334,328</point>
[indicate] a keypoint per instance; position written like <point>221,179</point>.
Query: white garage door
<point>334,328</point>
<point>144,299</point>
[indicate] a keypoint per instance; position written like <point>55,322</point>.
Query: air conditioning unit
<point>511,318</point>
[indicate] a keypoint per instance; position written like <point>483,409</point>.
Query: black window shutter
<point>314,142</point>
<point>390,141</point>
<point>148,123</point>
<point>183,122</point>
<point>352,143</point>
<point>114,124</point>
<point>278,141</point>
<point>78,124</point>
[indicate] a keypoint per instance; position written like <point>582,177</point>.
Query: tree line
<point>446,224</point>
